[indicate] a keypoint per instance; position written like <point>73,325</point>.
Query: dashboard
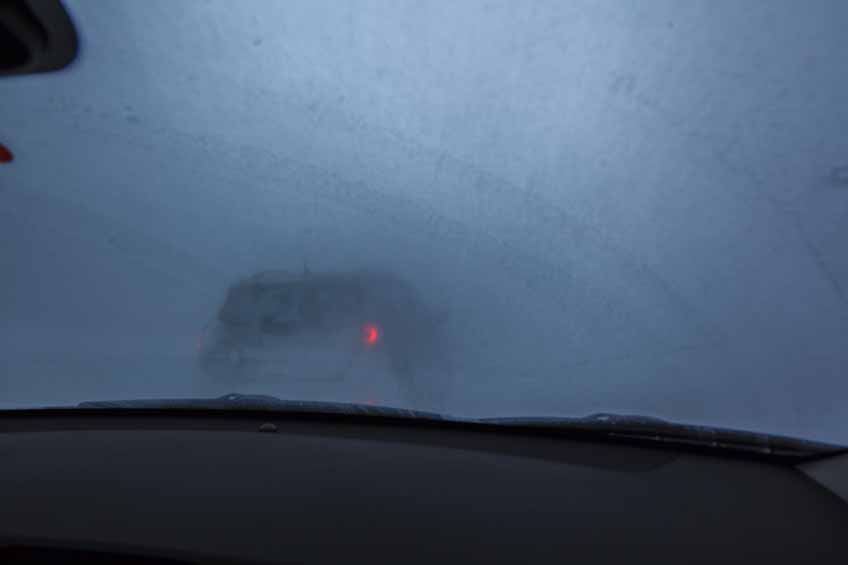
<point>259,488</point>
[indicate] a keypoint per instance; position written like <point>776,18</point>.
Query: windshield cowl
<point>607,426</point>
<point>656,430</point>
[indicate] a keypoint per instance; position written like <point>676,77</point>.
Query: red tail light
<point>5,155</point>
<point>371,335</point>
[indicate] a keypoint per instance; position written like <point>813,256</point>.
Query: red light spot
<point>5,155</point>
<point>370,334</point>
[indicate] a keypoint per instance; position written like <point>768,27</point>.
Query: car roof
<point>274,277</point>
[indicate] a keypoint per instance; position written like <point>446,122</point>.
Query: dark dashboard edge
<point>116,551</point>
<point>199,419</point>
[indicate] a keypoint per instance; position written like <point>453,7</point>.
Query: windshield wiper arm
<point>259,402</point>
<point>621,427</point>
<point>656,430</point>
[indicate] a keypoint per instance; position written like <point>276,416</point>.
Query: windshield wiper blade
<point>259,402</point>
<point>615,427</point>
<point>656,430</point>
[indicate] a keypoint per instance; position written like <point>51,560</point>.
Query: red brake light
<point>370,334</point>
<point>5,155</point>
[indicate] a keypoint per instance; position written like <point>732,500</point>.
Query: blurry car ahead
<point>331,327</point>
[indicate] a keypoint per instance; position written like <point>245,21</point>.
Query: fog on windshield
<point>605,206</point>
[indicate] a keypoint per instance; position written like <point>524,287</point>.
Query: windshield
<point>482,209</point>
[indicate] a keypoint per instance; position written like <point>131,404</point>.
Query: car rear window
<point>253,304</point>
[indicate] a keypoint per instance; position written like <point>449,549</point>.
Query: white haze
<point>634,207</point>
